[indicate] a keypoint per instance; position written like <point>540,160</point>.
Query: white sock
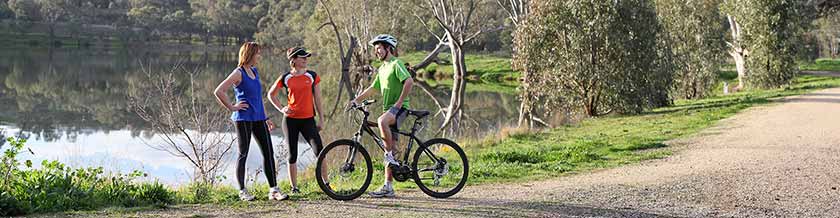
<point>273,189</point>
<point>388,184</point>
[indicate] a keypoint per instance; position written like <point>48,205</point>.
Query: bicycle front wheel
<point>344,170</point>
<point>440,168</point>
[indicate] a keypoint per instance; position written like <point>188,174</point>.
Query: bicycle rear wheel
<point>440,168</point>
<point>344,170</point>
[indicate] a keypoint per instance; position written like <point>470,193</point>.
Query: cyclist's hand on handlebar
<point>352,104</point>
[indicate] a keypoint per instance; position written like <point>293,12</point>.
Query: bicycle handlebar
<point>361,106</point>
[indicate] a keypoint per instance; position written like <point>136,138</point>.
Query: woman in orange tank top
<point>303,101</point>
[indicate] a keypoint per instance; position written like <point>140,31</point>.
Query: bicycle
<point>436,162</point>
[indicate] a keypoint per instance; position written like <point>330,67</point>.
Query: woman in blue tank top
<point>250,118</point>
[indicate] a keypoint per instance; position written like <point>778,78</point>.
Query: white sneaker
<point>244,196</point>
<point>389,159</point>
<point>274,194</point>
<point>385,191</point>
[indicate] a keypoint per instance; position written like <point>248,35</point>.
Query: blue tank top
<point>249,90</point>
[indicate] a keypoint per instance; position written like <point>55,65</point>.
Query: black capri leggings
<point>309,130</point>
<point>259,129</point>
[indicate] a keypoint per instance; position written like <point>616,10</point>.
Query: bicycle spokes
<point>344,170</point>
<point>440,169</point>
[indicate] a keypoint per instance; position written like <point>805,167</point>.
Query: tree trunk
<point>741,67</point>
<point>525,113</point>
<point>454,111</point>
<point>525,109</point>
<point>207,38</point>
<point>345,67</point>
<point>431,57</point>
<point>52,34</point>
<point>737,51</point>
<point>345,58</point>
<point>589,107</point>
<point>344,81</point>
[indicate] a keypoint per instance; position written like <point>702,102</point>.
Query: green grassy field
<point>477,64</point>
<point>485,72</point>
<point>822,64</point>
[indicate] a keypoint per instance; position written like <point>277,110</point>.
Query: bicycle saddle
<point>419,114</point>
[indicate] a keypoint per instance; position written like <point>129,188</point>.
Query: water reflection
<point>72,104</point>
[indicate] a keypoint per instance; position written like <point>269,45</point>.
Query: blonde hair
<point>247,53</point>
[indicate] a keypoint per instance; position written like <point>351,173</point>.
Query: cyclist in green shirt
<point>394,82</point>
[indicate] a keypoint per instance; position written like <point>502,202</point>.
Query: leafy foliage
<point>600,56</point>
<point>694,31</point>
<point>55,187</point>
<point>771,29</point>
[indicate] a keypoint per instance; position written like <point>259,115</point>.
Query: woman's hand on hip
<point>242,105</point>
<point>286,110</point>
<point>270,125</point>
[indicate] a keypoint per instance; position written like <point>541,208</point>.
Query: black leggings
<point>310,133</point>
<point>244,129</point>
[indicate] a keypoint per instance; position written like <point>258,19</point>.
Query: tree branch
<point>430,57</point>
<point>477,33</point>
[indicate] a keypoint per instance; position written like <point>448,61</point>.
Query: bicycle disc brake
<point>347,169</point>
<point>441,169</point>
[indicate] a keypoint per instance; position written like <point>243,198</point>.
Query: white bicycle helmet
<point>384,38</point>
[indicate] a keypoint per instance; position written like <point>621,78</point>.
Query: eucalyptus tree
<point>595,57</point>
<point>695,33</point>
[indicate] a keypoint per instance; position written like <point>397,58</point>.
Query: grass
<point>55,187</point>
<point>822,64</point>
<point>477,64</point>
<point>477,86</point>
<point>485,72</point>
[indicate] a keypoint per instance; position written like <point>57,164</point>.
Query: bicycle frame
<point>364,128</point>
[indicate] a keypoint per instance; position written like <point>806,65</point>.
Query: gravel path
<point>775,161</point>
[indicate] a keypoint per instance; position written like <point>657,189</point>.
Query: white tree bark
<point>737,51</point>
<point>457,21</point>
<point>454,112</point>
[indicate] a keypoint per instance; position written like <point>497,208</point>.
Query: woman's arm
<point>274,100</point>
<point>233,79</point>
<point>318,105</point>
